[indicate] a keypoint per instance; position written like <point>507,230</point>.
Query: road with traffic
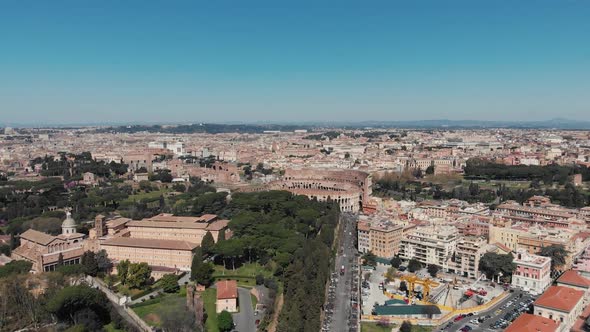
<point>341,315</point>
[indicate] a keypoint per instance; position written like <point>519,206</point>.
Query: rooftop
<point>560,298</point>
<point>227,289</point>
<point>573,278</point>
<point>532,323</point>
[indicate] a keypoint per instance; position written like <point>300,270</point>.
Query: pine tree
<point>196,263</point>
<point>208,243</point>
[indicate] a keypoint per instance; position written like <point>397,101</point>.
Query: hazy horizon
<point>262,61</point>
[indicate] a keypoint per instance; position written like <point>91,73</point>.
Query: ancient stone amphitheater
<point>350,188</point>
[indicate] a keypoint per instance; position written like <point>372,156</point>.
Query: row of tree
<point>485,169</point>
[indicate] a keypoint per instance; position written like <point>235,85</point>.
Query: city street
<point>343,317</point>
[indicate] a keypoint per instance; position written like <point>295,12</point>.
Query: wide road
<point>346,256</point>
<point>244,320</point>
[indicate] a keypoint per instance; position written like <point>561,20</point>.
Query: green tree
<point>207,244</point>
<point>557,253</point>
<point>493,264</point>
<point>123,271</point>
<point>201,272</point>
<point>78,299</point>
<point>369,259</point>
<point>169,283</point>
<point>15,267</point>
<point>90,264</point>
<point>433,270</point>
<point>204,274</point>
<point>138,275</point>
<point>179,187</point>
<point>430,170</point>
<point>396,261</point>
<point>225,321</point>
<point>414,265</point>
<point>103,261</point>
<point>406,326</point>
<point>60,260</point>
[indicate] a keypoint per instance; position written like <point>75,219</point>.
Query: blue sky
<point>219,61</point>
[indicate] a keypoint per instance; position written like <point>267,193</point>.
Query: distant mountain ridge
<point>557,123</point>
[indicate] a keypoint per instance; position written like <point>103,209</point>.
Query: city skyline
<point>70,63</point>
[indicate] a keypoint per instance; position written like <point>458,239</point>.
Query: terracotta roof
<point>559,298</point>
<point>167,217</point>
<point>114,223</point>
<point>217,225</point>
<point>166,224</point>
<point>503,247</point>
<point>149,243</point>
<point>573,278</point>
<point>532,323</point>
<point>38,237</point>
<point>227,289</point>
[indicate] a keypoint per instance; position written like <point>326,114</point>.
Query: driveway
<point>244,320</point>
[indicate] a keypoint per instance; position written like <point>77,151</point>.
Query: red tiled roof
<point>227,289</point>
<point>503,247</point>
<point>573,278</point>
<point>532,323</point>
<point>560,298</point>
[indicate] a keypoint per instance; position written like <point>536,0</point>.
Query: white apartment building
<point>465,261</point>
<point>430,245</point>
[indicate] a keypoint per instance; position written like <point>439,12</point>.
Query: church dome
<point>69,221</point>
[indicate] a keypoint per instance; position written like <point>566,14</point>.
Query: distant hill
<point>256,127</point>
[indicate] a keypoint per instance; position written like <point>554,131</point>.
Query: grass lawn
<point>110,328</point>
<point>151,312</point>
<point>209,297</point>
<point>249,270</point>
<point>254,301</point>
<point>245,275</point>
<point>373,327</point>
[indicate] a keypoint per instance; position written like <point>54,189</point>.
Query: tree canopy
<point>492,264</point>
<point>557,253</point>
<point>225,321</point>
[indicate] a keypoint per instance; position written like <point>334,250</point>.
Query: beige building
<point>507,236</point>
<point>560,304</point>
<point>44,250</point>
<point>467,255</point>
<point>381,238</point>
<point>155,252</point>
<point>227,296</point>
<point>166,242</point>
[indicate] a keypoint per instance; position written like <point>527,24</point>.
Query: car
<point>458,318</point>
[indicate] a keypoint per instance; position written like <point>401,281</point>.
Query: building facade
<point>532,273</point>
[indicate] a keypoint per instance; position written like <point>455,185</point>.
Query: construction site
<point>430,298</point>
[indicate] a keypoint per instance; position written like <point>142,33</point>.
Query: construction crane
<point>427,285</point>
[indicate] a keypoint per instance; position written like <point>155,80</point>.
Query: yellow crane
<point>427,284</point>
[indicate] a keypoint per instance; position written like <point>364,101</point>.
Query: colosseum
<point>350,188</point>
